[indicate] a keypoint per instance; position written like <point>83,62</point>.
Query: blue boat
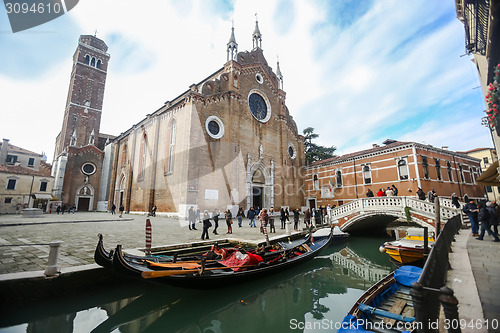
<point>385,307</point>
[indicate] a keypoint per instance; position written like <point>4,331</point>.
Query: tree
<point>313,151</point>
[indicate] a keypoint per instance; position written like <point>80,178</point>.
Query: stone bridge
<point>377,212</point>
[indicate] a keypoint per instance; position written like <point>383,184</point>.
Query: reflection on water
<point>308,298</point>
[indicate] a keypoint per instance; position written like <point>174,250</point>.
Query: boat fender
<point>381,248</point>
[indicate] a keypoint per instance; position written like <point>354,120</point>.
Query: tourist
<point>395,190</point>
<point>73,208</point>
<point>215,217</point>
<point>389,192</point>
<point>307,217</point>
<point>454,200</point>
<point>470,209</point>
<point>431,195</point>
<point>229,221</point>
<point>369,193</point>
<point>296,216</point>
<point>153,210</point>
<point>192,218</point>
<point>264,220</point>
<point>251,217</point>
<point>240,215</point>
<point>487,215</point>
<point>287,215</point>
<point>271,216</point>
<point>420,194</point>
<point>380,193</point>
<point>113,209</point>
<point>282,218</point>
<point>121,209</point>
<point>206,225</point>
<point>58,209</point>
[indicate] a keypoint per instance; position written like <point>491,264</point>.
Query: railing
<point>430,292</point>
<point>397,205</point>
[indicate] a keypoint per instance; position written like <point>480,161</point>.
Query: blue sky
<point>359,72</point>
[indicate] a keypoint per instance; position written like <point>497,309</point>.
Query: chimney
<point>375,145</point>
<point>444,147</point>
<point>3,152</point>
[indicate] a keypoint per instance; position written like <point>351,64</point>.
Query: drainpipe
<point>416,167</point>
<point>355,179</point>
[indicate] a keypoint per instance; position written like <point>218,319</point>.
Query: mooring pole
<point>149,237</point>
<point>51,269</point>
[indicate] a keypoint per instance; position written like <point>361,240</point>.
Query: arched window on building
<point>142,158</point>
<point>425,166</point>
<point>87,59</point>
<point>403,169</point>
<point>171,147</point>
<point>124,156</point>
<point>315,182</point>
<point>461,171</point>
<point>99,62</point>
<point>92,62</point>
<point>367,174</point>
<point>437,163</point>
<point>338,178</point>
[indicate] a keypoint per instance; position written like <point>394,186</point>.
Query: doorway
<point>83,204</point>
<point>257,192</point>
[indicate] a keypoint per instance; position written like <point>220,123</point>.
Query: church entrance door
<point>257,193</point>
<point>83,204</point>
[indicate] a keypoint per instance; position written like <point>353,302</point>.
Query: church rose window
<point>214,127</point>
<point>259,105</point>
<point>292,152</point>
<point>88,169</point>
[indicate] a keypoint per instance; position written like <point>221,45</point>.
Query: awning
<point>489,177</point>
<point>44,196</point>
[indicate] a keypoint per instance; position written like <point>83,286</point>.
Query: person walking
<point>454,200</point>
<point>153,210</point>
<point>192,218</point>
<point>206,224</point>
<point>389,192</point>
<point>470,209</point>
<point>229,221</point>
<point>271,220</point>
<point>215,217</point>
<point>431,195</point>
<point>121,209</point>
<point>113,209</point>
<point>380,193</point>
<point>251,217</point>
<point>420,194</point>
<point>395,190</point>
<point>487,215</point>
<point>307,217</point>
<point>369,193</point>
<point>240,215</point>
<point>282,218</point>
<point>296,216</point>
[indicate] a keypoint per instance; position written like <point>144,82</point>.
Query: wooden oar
<point>156,274</point>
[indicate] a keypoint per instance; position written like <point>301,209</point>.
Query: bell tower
<point>82,114</point>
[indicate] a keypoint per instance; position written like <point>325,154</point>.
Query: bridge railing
<point>396,204</point>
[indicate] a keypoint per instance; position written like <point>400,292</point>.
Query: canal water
<point>313,297</point>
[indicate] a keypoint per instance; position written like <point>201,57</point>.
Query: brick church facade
<point>79,149</point>
<point>227,141</point>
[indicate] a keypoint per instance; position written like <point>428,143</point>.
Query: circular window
<point>259,105</point>
<point>88,169</point>
<point>292,152</point>
<point>259,78</point>
<point>214,127</point>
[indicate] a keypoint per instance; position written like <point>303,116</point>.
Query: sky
<point>358,72</point>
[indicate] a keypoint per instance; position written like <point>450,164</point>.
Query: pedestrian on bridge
<point>471,210</point>
<point>487,216</point>
<point>369,193</point>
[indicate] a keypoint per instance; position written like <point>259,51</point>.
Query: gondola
<point>105,259</point>
<point>239,266</point>
<point>385,307</point>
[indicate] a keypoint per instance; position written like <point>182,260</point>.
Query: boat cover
<point>406,275</point>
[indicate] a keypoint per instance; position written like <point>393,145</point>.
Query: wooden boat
<point>385,307</point>
<point>239,266</point>
<point>409,250</point>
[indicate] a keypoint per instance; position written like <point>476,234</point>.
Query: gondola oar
<point>156,274</point>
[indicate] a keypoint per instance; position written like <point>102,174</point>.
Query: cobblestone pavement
<point>20,237</point>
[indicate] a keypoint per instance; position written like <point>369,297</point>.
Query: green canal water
<point>313,297</point>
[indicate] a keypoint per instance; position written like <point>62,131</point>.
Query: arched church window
<point>87,59</point>
<point>92,62</point>
<point>338,178</point>
<point>98,65</point>
<point>171,147</point>
<point>142,158</point>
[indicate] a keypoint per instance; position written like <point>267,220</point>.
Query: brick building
<point>227,141</point>
<point>407,165</point>
<point>79,149</point>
